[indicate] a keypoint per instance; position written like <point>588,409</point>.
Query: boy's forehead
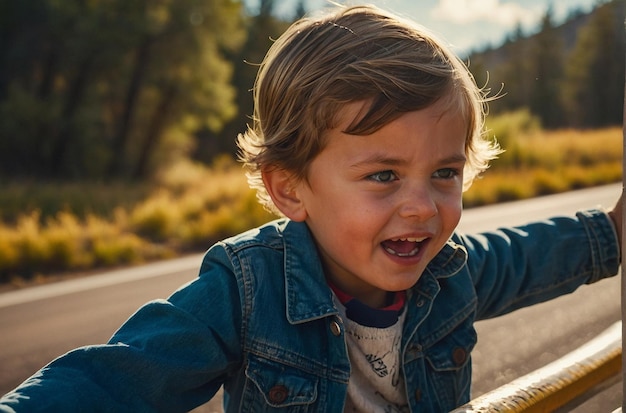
<point>428,136</point>
<point>351,113</point>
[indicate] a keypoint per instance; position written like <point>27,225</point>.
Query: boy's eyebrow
<point>378,158</point>
<point>381,159</point>
<point>454,159</point>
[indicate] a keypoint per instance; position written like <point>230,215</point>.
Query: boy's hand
<point>617,216</point>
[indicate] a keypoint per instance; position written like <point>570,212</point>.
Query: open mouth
<point>403,247</point>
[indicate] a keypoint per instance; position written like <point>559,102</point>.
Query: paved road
<point>527,339</point>
<point>40,323</point>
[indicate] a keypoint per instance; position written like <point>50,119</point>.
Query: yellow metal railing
<point>576,376</point>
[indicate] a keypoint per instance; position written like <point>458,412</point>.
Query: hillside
<point>567,33</point>
<point>568,75</point>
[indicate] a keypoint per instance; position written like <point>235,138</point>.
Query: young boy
<point>363,298</point>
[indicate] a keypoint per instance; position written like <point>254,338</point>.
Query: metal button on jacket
<point>459,355</point>
<point>335,328</point>
<point>278,394</point>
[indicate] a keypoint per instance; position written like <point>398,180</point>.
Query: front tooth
<point>409,239</point>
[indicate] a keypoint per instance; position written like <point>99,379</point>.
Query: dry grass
<point>540,163</point>
<point>190,207</point>
<point>50,228</point>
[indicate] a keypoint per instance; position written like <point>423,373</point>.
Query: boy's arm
<point>171,355</point>
<point>521,266</point>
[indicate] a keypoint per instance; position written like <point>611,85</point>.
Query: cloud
<point>493,11</point>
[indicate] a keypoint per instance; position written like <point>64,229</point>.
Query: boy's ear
<point>281,186</point>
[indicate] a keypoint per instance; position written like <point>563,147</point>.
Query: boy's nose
<point>418,203</point>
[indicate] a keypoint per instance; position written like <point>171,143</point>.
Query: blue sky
<point>465,24</point>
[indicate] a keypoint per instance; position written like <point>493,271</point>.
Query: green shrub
<point>65,236</point>
<point>156,218</point>
<point>123,249</point>
<point>9,254</point>
<point>507,127</point>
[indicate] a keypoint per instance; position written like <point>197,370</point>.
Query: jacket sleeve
<point>171,355</point>
<point>516,267</point>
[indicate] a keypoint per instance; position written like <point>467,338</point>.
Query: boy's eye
<point>446,173</point>
<point>383,176</point>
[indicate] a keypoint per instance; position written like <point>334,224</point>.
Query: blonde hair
<point>359,53</point>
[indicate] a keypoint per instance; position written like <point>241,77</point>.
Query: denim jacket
<point>260,321</point>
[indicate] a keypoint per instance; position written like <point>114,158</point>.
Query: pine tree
<point>545,59</point>
<point>594,85</point>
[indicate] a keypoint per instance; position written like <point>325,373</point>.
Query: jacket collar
<point>309,297</point>
<point>449,261</point>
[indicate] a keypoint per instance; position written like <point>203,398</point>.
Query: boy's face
<point>381,206</point>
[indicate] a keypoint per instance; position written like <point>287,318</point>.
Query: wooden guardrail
<point>563,384</point>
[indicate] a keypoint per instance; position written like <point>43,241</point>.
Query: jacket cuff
<point>602,236</point>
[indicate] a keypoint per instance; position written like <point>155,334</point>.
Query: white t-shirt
<point>376,380</point>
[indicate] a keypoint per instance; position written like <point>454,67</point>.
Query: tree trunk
<point>120,140</point>
<point>48,71</point>
<point>64,134</point>
<point>155,130</point>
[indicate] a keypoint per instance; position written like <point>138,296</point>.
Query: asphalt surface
<point>40,323</point>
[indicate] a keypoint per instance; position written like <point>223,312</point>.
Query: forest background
<point>118,122</point>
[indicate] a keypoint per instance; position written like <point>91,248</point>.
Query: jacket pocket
<point>450,361</point>
<point>278,386</point>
